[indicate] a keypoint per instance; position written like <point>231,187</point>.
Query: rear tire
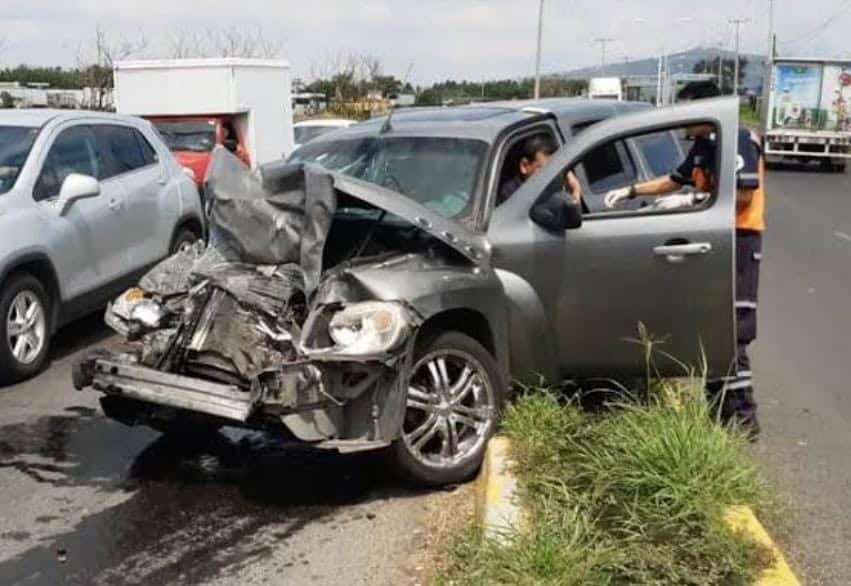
<point>184,238</point>
<point>24,328</point>
<point>455,397</point>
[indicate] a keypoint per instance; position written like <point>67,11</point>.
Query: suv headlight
<point>367,328</point>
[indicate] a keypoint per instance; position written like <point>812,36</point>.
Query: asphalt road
<point>87,501</point>
<point>84,500</point>
<point>802,365</point>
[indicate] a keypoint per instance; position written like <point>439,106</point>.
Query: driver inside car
<point>535,153</point>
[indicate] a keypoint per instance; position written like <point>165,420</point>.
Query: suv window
<point>607,167</point>
<point>659,151</point>
<point>123,147</point>
<point>149,155</point>
<point>75,150</point>
<point>509,174</point>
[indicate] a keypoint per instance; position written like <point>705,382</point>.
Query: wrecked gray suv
<point>374,294</point>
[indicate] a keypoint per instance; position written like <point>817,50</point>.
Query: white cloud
<point>471,39</point>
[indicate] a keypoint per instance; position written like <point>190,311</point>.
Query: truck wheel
<point>455,396</point>
<point>24,328</point>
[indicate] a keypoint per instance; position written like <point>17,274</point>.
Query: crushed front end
<point>238,332</point>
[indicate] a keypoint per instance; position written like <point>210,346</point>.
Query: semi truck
<point>808,116</point>
<point>242,104</point>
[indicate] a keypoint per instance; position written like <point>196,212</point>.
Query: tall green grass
<point>633,495</point>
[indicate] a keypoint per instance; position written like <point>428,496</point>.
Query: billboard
<point>797,92</point>
<point>836,98</point>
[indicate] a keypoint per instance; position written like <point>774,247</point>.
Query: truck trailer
<point>244,105</point>
<point>808,112</point>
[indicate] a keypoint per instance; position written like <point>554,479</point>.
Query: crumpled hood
<point>473,245</point>
<point>282,213</point>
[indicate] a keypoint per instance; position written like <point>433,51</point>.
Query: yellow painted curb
<point>742,519</point>
<point>498,512</point>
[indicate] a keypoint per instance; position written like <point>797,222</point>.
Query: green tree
<point>728,71</point>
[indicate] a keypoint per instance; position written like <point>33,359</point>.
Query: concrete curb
<point>498,511</point>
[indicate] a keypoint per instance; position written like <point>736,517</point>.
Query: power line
<point>822,27</point>
<point>604,41</point>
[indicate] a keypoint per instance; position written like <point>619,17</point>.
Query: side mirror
<point>76,186</point>
<point>230,144</point>
<point>554,212</point>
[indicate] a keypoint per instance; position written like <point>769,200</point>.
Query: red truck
<point>192,138</point>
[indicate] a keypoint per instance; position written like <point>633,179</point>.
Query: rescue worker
<point>736,391</point>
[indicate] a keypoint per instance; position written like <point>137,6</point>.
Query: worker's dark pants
<point>735,392</point>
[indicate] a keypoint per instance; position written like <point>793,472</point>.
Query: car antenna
<point>388,123</point>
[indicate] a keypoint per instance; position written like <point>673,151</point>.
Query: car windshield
<point>305,134</point>
<point>15,145</point>
<point>198,136</point>
<point>439,173</point>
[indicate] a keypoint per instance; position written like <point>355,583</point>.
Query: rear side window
<point>149,155</point>
<point>659,152</point>
<point>123,148</point>
<point>75,150</point>
<point>604,167</point>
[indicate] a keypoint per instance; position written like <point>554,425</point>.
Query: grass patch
<point>748,117</point>
<point>633,495</point>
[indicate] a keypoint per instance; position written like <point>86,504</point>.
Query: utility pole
<point>738,22</point>
<point>603,42</point>
<point>538,54</point>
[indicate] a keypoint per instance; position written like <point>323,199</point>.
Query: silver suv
<point>88,202</point>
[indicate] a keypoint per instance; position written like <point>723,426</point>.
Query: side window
<point>74,151</point>
<point>660,152</point>
<point>122,147</point>
<point>535,148</point>
<point>149,155</point>
<point>608,173</point>
<point>607,167</point>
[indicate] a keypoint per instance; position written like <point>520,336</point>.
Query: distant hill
<point>683,62</point>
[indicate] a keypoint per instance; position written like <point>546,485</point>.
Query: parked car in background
<point>388,300</point>
<point>88,202</point>
<point>309,129</point>
<point>192,139</point>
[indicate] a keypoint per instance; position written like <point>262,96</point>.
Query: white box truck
<point>605,88</point>
<point>808,112</point>
<point>196,104</point>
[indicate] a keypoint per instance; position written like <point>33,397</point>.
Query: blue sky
<point>437,39</point>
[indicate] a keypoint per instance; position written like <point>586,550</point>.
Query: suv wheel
<point>183,239</point>
<point>454,400</point>
<point>24,328</point>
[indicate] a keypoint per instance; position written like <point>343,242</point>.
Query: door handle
<point>677,253</point>
<point>114,204</point>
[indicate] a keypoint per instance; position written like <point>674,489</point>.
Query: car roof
<point>485,121</point>
<point>38,117</point>
<point>326,122</point>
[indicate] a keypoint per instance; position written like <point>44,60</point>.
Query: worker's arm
<point>743,198</point>
<point>658,186</point>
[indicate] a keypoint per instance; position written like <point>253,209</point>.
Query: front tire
<point>455,396</point>
<point>183,239</point>
<point>24,328</point>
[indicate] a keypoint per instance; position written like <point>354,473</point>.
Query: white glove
<point>617,196</point>
<point>685,200</point>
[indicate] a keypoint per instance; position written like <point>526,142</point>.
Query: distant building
<point>41,95</point>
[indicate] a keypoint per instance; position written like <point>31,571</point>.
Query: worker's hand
<point>573,187</point>
<point>617,196</point>
<point>675,202</point>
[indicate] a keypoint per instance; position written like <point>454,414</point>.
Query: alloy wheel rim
<point>450,409</point>
<point>26,327</point>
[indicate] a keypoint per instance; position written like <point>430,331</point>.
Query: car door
<point>670,270</point>
<point>94,231</point>
<point>134,164</point>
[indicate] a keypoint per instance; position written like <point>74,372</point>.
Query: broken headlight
<point>147,312</point>
<point>367,328</point>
